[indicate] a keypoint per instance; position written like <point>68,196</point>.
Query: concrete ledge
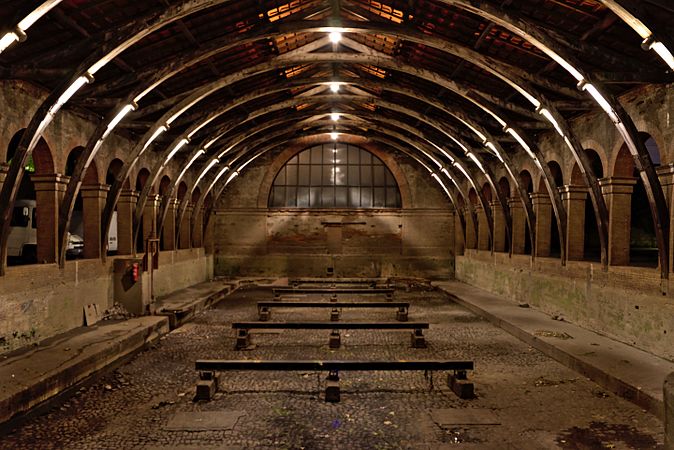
<point>183,305</point>
<point>624,370</point>
<point>668,391</point>
<point>31,376</point>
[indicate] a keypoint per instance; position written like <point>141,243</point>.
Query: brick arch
<point>526,181</point>
<point>623,165</point>
<point>472,196</point>
<point>504,186</point>
<point>195,195</point>
<point>557,175</point>
<point>113,170</point>
<point>302,144</point>
<point>650,129</point>
<point>142,178</point>
<point>91,175</point>
<point>486,192</point>
<point>41,156</point>
<point>164,185</point>
<point>577,178</point>
<point>182,190</point>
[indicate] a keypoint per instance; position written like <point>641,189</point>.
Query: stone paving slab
<point>182,305</point>
<point>464,416</point>
<point>204,420</point>
<point>30,376</point>
<point>629,372</point>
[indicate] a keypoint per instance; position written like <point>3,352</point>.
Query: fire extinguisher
<point>135,272</point>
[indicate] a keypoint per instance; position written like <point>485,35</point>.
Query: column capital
<point>50,182</point>
<point>573,192</point>
<point>514,202</point>
<point>129,194</point>
<point>94,190</point>
<point>4,168</point>
<point>153,201</point>
<point>540,198</point>
<point>617,185</point>
<point>666,174</point>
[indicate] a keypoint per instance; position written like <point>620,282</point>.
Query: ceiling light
<point>334,117</point>
<point>334,136</point>
<point>335,37</point>
<point>334,87</point>
<point>8,40</point>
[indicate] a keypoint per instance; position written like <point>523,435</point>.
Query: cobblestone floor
<point>539,403</point>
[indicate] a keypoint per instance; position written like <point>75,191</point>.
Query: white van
<point>22,241</point>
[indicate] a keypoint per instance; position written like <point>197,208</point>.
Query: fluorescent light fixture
<point>189,164</point>
<point>335,117</point>
<point>231,177</point>
<point>37,13</point>
<point>247,162</point>
<point>118,118</point>
<point>588,87</point>
<point>442,150</point>
<point>154,136</point>
<point>334,87</point>
<point>520,141</point>
<point>72,90</point>
<point>206,169</point>
<point>7,40</point>
<point>178,146</point>
<point>334,136</point>
<point>548,115</point>
<point>476,161</point>
<point>661,50</point>
<point>335,37</point>
<point>562,62</point>
<point>217,177</point>
<point>437,178</point>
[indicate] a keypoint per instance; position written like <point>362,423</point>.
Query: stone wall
<point>625,303</point>
<point>40,300</point>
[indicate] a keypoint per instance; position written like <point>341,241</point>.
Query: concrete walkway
<point>33,375</point>
<point>631,373</point>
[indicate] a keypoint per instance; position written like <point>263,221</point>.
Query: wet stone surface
<point>539,403</point>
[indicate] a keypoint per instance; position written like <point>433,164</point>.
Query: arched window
<point>334,176</point>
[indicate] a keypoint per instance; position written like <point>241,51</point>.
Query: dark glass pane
<point>353,155</point>
<point>379,176</point>
<point>291,196</point>
<point>390,181</point>
<point>279,198</point>
<point>303,197</point>
<point>291,175</point>
<point>341,197</point>
<point>315,197</point>
<point>303,178</point>
<point>315,175</point>
<point>328,154</point>
<point>354,197</point>
<point>328,197</point>
<point>354,176</point>
<point>281,178</point>
<point>328,175</point>
<point>366,175</point>
<point>379,197</point>
<point>304,157</point>
<point>366,197</point>
<point>365,157</point>
<point>392,198</point>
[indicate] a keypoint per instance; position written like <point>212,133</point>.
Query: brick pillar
<point>471,238</point>
<point>125,209</point>
<point>574,198</point>
<point>185,240</point>
<point>198,231</point>
<point>150,217</point>
<point>519,227</point>
<point>543,212</point>
<point>618,196</point>
<point>209,238</point>
<point>93,202</point>
<point>499,239</point>
<point>666,175</point>
<point>49,190</point>
<point>482,228</point>
<point>459,243</point>
<point>169,231</point>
